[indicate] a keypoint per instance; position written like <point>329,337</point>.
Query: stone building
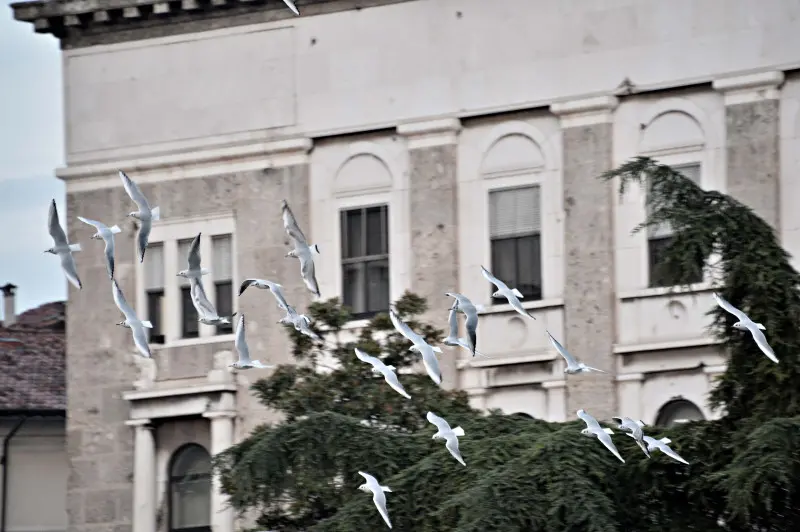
<point>415,140</point>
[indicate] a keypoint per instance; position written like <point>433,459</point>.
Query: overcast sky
<point>31,147</point>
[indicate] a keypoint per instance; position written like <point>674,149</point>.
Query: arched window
<point>678,411</point>
<point>190,490</point>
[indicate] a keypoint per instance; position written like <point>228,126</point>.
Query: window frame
<point>364,260</point>
<point>171,481</point>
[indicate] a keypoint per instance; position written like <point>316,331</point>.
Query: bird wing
<point>97,225</point>
<point>140,339</point>
<point>472,328</point>
<point>372,481</point>
<point>571,362</point>
<point>376,363</point>
<point>55,229</point>
<point>70,270</point>
<point>134,192</point>
<point>452,446</point>
<point>241,344</point>
<point>379,498</point>
<point>722,302</point>
<point>308,273</point>
<point>591,422</point>
<point>761,341</point>
<point>277,291</point>
<point>514,302</point>
<point>404,329</point>
<point>258,283</point>
<point>291,6</point>
<point>109,254</point>
<point>452,319</point>
<point>440,423</point>
<point>494,280</point>
<point>606,439</point>
<point>431,364</point>
<point>122,304</point>
<point>391,379</point>
<point>672,454</point>
<point>144,235</point>
<point>290,225</point>
<point>200,299</point>
<point>194,253</point>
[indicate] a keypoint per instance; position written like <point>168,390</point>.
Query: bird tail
<point>480,308</point>
<point>115,229</point>
<point>74,247</point>
<point>386,488</point>
<point>517,293</point>
<point>155,213</point>
<point>608,431</point>
<point>315,249</point>
<point>147,324</point>
<point>458,431</point>
<point>665,440</point>
<point>761,327</point>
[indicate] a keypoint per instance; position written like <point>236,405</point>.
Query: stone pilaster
<point>144,476</point>
<point>433,191</point>
<point>589,251</point>
<point>752,123</point>
<point>222,515</point>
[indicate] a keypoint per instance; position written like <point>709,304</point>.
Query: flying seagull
<point>301,322</point>
<point>594,430</point>
<point>427,351</point>
<point>263,284</point>
<point>107,235</point>
<point>132,322</point>
<point>573,366</point>
<point>636,432</point>
<point>63,248</point>
<point>378,497</point>
<point>512,295</point>
<point>146,215</point>
<point>662,445</point>
<point>452,339</point>
<point>206,312</point>
<point>446,433</point>
<point>745,323</point>
<point>464,305</point>
<point>291,6</point>
<point>388,372</point>
<point>301,250</point>
<point>194,271</point>
<point>240,343</point>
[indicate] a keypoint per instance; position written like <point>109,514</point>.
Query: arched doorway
<point>678,411</point>
<point>190,490</point>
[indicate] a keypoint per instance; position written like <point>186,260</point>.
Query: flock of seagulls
<point>305,253</point>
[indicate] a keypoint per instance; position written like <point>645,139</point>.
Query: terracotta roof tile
<point>33,360</point>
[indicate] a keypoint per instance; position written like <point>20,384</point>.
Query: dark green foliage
<point>529,475</point>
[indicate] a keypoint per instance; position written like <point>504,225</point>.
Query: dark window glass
<point>517,262</point>
<point>656,249</point>
<point>190,327</point>
<point>365,260</point>
<point>155,307</point>
<point>224,296</point>
<point>190,490</point>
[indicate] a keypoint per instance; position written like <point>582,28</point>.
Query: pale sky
<point>31,148</point>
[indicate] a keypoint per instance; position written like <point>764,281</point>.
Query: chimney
<point>9,306</point>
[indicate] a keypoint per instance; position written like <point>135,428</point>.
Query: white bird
<point>146,215</point>
<point>745,323</point>
<point>291,6</point>
<point>263,284</point>
<point>106,234</point>
<point>452,339</point>
<point>378,497</point>
<point>301,322</point>
<point>194,261</point>
<point>63,248</point>
<point>511,294</point>
<point>446,433</point>
<point>463,304</point>
<point>573,366</point>
<point>206,313</point>
<point>240,343</point>
<point>427,351</point>
<point>132,322</point>
<point>636,432</point>
<point>594,430</point>
<point>301,250</point>
<point>388,372</point>
<point>662,445</point>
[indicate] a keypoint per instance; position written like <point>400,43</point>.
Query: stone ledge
<point>430,133</point>
<point>750,88</point>
<point>585,112</point>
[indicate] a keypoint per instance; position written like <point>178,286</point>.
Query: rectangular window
<point>222,273</point>
<point>515,235</point>
<point>190,327</point>
<point>660,237</point>
<point>154,291</point>
<point>365,260</point>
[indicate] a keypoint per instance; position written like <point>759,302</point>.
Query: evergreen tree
<point>527,474</point>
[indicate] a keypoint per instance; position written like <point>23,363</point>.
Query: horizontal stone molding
<point>430,133</point>
<point>586,111</point>
<point>750,88</point>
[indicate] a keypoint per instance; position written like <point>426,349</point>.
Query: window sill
<point>186,342</point>
<point>538,355</point>
<point>624,349</point>
<point>527,305</point>
<point>666,291</point>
